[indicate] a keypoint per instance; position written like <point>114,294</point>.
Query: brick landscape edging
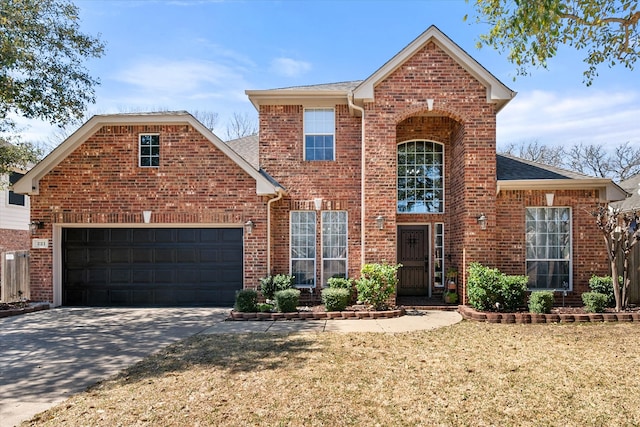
<point>469,313</point>
<point>25,310</point>
<point>322,315</point>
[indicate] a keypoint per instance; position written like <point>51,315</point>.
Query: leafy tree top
<point>532,30</point>
<point>41,62</point>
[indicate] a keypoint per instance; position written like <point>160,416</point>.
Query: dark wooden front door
<point>413,254</point>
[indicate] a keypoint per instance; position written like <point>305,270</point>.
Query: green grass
<point>470,374</point>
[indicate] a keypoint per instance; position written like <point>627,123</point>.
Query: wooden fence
<point>634,274</point>
<point>15,276</point>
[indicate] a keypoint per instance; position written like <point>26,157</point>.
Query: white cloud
<point>289,67</point>
<point>564,119</point>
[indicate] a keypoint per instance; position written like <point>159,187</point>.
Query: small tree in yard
<point>621,232</point>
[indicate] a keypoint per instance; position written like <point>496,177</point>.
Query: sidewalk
<point>412,321</point>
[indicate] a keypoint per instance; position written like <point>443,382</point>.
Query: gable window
<point>548,248</point>
<point>420,177</point>
<point>303,247</point>
<point>334,245</point>
<point>319,129</point>
<point>15,198</point>
<point>149,150</point>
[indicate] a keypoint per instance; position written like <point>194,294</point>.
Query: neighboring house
<point>14,227</point>
<point>399,167</point>
<point>629,205</point>
<point>14,216</point>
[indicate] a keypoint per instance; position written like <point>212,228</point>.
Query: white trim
<point>608,190</point>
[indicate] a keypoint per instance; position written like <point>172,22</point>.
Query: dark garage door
<point>151,266</point>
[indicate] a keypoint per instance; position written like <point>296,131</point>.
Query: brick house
<point>400,167</point>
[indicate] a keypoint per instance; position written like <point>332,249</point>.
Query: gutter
<point>362,179</point>
<point>279,194</point>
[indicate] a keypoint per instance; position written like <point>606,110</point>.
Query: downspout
<point>279,194</point>
<point>362,177</point>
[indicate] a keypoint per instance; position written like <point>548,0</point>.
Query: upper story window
<point>15,198</point>
<point>319,138</point>
<point>149,150</point>
<point>420,177</point>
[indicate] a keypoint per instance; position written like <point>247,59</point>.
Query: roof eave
<point>296,97</point>
<point>608,190</point>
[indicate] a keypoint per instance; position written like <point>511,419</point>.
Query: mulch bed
<point>16,308</point>
<point>318,312</point>
<point>557,315</point>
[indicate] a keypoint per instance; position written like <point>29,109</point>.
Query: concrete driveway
<point>48,355</point>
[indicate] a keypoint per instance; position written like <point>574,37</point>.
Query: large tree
<point>532,30</point>
<point>42,52</point>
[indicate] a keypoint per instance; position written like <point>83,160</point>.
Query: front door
<point>413,254</point>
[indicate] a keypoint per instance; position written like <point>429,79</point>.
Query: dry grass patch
<point>468,374</point>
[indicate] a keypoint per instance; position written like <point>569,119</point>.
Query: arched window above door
<point>420,177</point>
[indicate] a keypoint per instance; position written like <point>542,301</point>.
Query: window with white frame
<point>319,129</point>
<point>548,248</point>
<point>15,198</point>
<point>334,245</point>
<point>303,247</point>
<point>420,177</point>
<point>149,150</point>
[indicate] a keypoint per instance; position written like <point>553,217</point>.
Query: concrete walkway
<point>47,356</point>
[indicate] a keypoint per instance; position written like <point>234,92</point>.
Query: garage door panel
<point>142,255</point>
<point>151,267</point>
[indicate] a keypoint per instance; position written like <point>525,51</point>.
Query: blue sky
<point>202,55</point>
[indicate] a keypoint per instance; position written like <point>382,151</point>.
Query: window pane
<point>319,129</point>
<point>334,245</point>
<point>548,249</point>
<point>420,177</point>
<point>303,247</point>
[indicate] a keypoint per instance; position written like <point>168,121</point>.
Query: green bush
<point>335,299</point>
<point>604,285</point>
<point>342,283</point>
<point>594,302</point>
<point>287,300</point>
<point>541,302</point>
<point>377,283</point>
<point>491,290</point>
<point>269,285</point>
<point>265,308</point>
<point>246,301</point>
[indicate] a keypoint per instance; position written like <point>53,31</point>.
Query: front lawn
<point>470,374</point>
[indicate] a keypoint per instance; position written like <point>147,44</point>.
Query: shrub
<point>269,285</point>
<point>265,308</point>
<point>342,283</point>
<point>287,300</point>
<point>541,302</point>
<point>246,301</point>
<point>377,283</point>
<point>604,285</point>
<point>451,298</point>
<point>594,302</point>
<point>491,290</point>
<point>335,299</point>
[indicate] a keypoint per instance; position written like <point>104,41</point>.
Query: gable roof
<point>631,186</point>
<point>497,92</point>
<point>514,173</point>
<point>330,94</point>
<point>29,184</point>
